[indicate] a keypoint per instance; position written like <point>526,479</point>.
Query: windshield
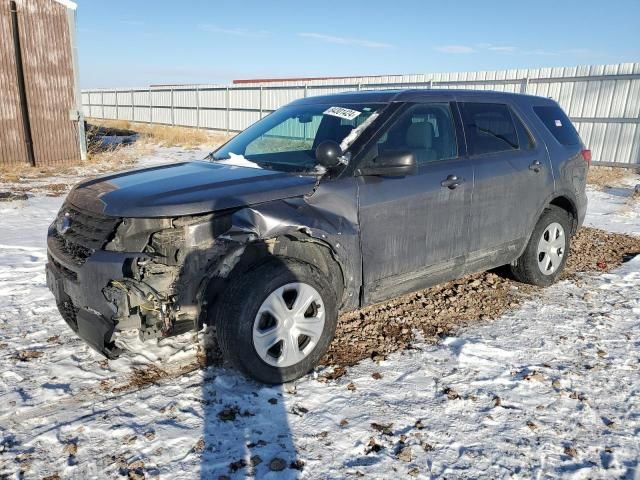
<point>286,140</point>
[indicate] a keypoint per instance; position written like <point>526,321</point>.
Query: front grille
<point>86,232</point>
<point>70,274</point>
<point>69,313</point>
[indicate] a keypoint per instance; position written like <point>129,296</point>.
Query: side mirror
<point>328,154</point>
<point>392,163</point>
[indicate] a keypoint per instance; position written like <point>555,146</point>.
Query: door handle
<point>452,182</point>
<point>536,166</point>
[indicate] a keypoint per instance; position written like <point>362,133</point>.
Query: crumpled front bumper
<point>78,290</point>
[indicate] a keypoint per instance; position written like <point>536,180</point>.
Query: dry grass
<point>112,159</point>
<point>605,177</point>
<point>119,157</point>
<point>165,135</point>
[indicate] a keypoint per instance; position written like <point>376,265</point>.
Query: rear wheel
<point>546,254</point>
<point>276,322</point>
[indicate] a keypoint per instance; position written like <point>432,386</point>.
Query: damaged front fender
<point>327,218</point>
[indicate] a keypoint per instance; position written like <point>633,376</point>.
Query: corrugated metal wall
<point>49,84</point>
<point>602,100</point>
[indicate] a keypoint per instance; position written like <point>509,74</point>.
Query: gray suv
<point>326,205</point>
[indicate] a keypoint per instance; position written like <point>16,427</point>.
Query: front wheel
<point>277,321</point>
<point>546,254</point>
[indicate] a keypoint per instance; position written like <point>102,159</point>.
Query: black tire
<point>236,314</point>
<point>526,268</point>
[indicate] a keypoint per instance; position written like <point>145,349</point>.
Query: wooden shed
<point>40,119</point>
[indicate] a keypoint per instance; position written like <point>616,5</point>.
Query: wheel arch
<point>568,205</point>
<point>561,200</point>
<point>294,245</point>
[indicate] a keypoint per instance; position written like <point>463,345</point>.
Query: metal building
<point>40,119</point>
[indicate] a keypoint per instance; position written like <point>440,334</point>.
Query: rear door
<point>512,179</point>
<point>413,228</point>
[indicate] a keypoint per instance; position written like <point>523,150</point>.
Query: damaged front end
<point>159,275</point>
<point>110,274</point>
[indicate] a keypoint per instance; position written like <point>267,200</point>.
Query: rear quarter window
<point>558,124</point>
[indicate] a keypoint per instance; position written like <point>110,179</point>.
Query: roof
<point>412,95</point>
<point>67,3</point>
<point>291,79</point>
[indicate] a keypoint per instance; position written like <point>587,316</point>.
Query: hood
<point>187,188</point>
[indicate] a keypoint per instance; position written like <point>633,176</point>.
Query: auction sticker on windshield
<point>342,112</point>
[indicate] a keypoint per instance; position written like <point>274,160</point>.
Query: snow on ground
<point>549,390</point>
<point>614,209</point>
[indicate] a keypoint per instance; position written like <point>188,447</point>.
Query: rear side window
<point>558,124</point>
<point>489,128</point>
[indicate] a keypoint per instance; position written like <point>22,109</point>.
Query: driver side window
<point>427,130</point>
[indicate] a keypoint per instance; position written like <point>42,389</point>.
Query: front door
<point>413,228</point>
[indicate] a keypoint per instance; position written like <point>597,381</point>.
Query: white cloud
<point>238,32</point>
<point>545,53</point>
<point>345,40</point>
<point>509,49</point>
<point>577,52</point>
<point>502,49</point>
<point>464,49</point>
<point>455,49</point>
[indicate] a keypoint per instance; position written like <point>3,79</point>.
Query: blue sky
<point>137,43</point>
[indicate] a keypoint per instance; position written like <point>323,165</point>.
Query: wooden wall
<point>49,84</point>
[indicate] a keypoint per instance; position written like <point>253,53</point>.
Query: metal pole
<point>82,136</point>
<point>150,105</point>
<point>197,107</point>
<point>115,93</point>
<point>261,101</point>
<point>133,108</point>
<point>172,117</point>
<point>102,103</point>
<point>228,111</point>
<point>524,85</point>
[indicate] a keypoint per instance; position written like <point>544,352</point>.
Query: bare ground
<point>607,177</point>
<point>379,330</point>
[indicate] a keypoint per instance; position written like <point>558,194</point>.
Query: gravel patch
<point>378,330</point>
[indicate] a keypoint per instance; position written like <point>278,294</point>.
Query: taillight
<point>586,154</point>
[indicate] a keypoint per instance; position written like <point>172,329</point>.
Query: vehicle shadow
<point>246,431</point>
<point>245,427</point>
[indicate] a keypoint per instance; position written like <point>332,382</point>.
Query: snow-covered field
<point>550,390</point>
